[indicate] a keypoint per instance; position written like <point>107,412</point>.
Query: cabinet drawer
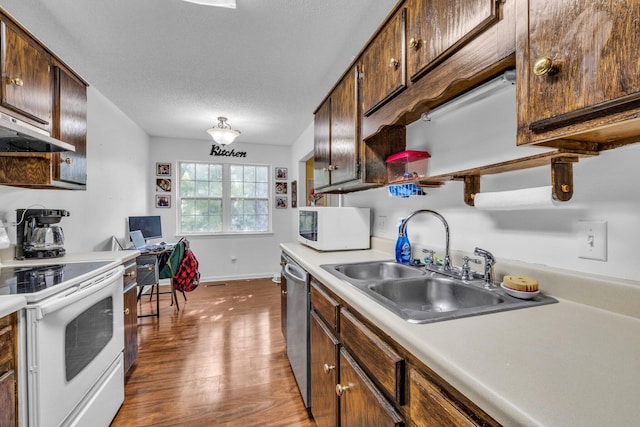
<point>325,306</point>
<point>429,407</point>
<point>129,274</point>
<point>375,355</point>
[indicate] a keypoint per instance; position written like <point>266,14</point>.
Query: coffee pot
<point>37,236</point>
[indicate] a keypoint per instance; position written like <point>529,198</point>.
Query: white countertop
<point>564,364</point>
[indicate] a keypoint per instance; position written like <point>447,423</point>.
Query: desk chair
<point>170,269</point>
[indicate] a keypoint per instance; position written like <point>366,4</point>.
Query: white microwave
<point>334,229</point>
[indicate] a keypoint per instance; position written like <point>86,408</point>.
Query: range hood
<point>20,137</point>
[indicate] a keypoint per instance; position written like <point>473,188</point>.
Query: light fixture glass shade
<point>231,4</point>
<point>223,134</point>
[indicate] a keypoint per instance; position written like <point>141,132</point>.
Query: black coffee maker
<point>37,236</point>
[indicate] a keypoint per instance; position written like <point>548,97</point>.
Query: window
<point>223,198</point>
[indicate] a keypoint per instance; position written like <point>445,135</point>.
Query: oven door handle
<point>80,292</point>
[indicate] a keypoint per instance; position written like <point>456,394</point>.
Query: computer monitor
<point>149,226</point>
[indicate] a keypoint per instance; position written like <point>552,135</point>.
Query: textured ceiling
<point>174,67</point>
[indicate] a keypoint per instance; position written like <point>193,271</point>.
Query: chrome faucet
<point>489,262</point>
<point>446,266</point>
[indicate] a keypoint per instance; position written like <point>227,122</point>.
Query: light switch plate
<point>592,240</point>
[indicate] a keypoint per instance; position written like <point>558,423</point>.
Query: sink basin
<point>383,270</point>
<point>435,294</point>
<point>421,296</point>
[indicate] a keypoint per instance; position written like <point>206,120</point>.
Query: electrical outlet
<point>592,240</point>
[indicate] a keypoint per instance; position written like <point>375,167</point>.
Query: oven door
<point>73,339</point>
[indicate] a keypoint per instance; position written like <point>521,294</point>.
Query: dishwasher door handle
<point>291,270</point>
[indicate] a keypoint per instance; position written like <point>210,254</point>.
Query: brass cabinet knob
<point>340,389</point>
<point>17,81</point>
<point>284,292</point>
<point>126,311</point>
<point>393,63</point>
<point>325,169</point>
<point>414,43</point>
<point>130,274</point>
<point>328,368</point>
<point>544,66</point>
<point>68,160</point>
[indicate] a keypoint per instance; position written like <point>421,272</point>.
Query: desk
<point>149,265</point>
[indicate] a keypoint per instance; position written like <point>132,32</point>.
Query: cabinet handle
<point>544,66</point>
<point>393,63</point>
<point>328,368</point>
<point>130,274</point>
<point>16,81</point>
<point>126,311</point>
<point>68,160</point>
<point>333,167</point>
<point>284,292</point>
<point>340,389</point>
<point>325,169</point>
<point>414,43</point>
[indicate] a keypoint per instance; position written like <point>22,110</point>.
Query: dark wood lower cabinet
<point>361,404</point>
<point>8,367</point>
<point>8,399</point>
<point>130,306</point>
<point>325,349</point>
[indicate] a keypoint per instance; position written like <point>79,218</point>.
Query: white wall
<point>256,255</point>
<point>117,168</point>
<point>605,188</point>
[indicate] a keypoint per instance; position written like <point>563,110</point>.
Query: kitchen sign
<point>218,151</point>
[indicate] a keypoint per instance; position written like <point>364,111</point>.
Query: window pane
<point>250,207</point>
<point>249,189</point>
<point>237,189</point>
<point>202,172</point>
<point>188,171</point>
<point>215,173</point>
<point>250,173</point>
<point>262,174</point>
<point>236,208</point>
<point>262,190</point>
<point>237,173</point>
<point>215,189</point>
<point>262,207</point>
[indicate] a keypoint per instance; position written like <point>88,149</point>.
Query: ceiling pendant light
<point>231,4</point>
<point>223,134</point>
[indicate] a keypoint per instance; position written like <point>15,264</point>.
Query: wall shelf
<point>561,163</point>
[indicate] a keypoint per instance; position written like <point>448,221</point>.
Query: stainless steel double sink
<point>421,296</point>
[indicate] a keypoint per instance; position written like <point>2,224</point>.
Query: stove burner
<point>27,280</point>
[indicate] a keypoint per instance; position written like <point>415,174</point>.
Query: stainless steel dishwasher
<point>297,280</point>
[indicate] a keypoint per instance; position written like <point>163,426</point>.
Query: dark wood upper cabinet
<point>578,65</point>
<point>70,125</point>
<point>383,64</point>
<point>322,145</point>
<point>438,28</point>
<point>26,76</point>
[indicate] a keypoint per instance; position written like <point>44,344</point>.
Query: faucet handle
<point>431,256</point>
<point>465,274</point>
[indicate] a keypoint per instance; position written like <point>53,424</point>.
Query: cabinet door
<point>130,327</point>
<point>437,28</point>
<point>429,407</point>
<point>324,373</point>
<point>8,399</point>
<point>70,125</point>
<point>582,61</point>
<point>383,65</point>
<point>345,134</point>
<point>361,404</point>
<point>322,145</point>
<point>27,77</point>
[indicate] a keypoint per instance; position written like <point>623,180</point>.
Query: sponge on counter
<point>521,283</point>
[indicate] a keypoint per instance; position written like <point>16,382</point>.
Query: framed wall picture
<point>281,202</point>
<point>163,185</point>
<point>163,201</point>
<point>281,188</point>
<point>281,174</point>
<point>163,169</point>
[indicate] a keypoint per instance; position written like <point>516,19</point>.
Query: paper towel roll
<point>527,198</point>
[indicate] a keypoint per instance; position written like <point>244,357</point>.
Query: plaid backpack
<point>188,277</point>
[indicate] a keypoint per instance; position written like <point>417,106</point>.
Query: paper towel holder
<point>561,180</point>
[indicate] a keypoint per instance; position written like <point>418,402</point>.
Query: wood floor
<point>219,361</point>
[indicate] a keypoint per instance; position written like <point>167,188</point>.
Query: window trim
<point>226,200</point>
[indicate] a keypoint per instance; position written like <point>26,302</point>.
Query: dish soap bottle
<point>403,247</point>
